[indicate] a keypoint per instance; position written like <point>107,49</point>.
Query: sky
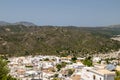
<point>61,12</point>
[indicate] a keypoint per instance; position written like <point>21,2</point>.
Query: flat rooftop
<point>100,71</point>
<point>104,71</point>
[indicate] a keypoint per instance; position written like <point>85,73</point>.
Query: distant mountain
<point>3,23</point>
<point>114,26</point>
<point>24,23</point>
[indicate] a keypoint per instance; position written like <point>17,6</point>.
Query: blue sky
<point>61,12</point>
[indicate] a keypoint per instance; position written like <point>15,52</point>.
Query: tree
<point>4,70</point>
<point>58,66</point>
<point>56,75</point>
<point>117,77</point>
<point>70,72</point>
<point>88,61</point>
<point>10,78</point>
<point>73,59</point>
<point>56,79</point>
<point>107,60</point>
<point>61,65</point>
<point>46,59</point>
<point>118,58</point>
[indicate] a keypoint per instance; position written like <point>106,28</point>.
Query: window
<point>94,77</point>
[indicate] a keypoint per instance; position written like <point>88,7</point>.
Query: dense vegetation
<point>117,75</point>
<point>88,61</point>
<point>61,65</point>
<point>17,40</point>
<point>4,71</point>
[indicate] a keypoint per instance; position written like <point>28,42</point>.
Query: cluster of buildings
<point>44,68</point>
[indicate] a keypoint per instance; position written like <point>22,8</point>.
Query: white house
<point>90,73</point>
<point>96,59</point>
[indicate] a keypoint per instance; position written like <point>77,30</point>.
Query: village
<point>62,68</point>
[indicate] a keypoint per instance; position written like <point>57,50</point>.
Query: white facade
<point>96,74</point>
<point>96,59</point>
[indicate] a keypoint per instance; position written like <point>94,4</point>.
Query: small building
<point>92,73</point>
<point>96,59</point>
<point>118,68</point>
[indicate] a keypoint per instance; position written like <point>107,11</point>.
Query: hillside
<point>17,40</point>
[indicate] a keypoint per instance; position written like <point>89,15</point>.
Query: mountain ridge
<point>17,40</point>
<point>25,23</point>
<point>4,23</point>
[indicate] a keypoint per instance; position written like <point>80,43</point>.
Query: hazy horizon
<point>61,13</point>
